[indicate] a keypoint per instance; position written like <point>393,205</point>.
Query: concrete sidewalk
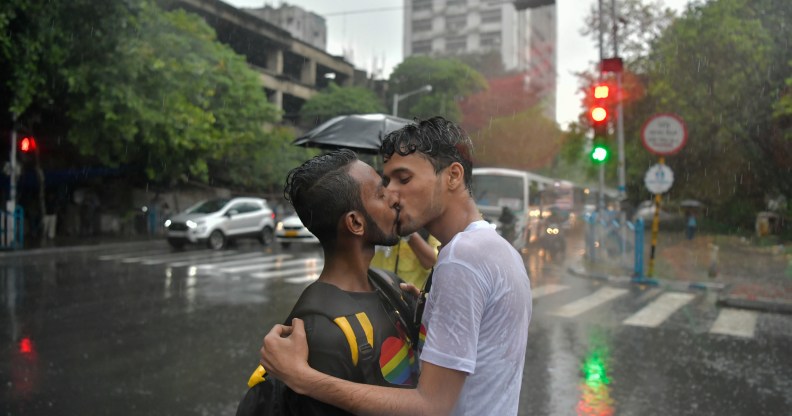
<point>745,274</point>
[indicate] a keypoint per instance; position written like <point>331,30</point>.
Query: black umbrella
<point>691,203</point>
<point>359,132</point>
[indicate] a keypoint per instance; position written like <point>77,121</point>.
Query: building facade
<point>304,25</point>
<point>291,70</point>
<point>526,40</point>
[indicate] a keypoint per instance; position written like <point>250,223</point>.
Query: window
<point>420,5</point>
<point>456,43</point>
<point>423,25</point>
<point>491,16</point>
<point>422,47</point>
<point>451,3</point>
<point>456,22</point>
<point>490,39</point>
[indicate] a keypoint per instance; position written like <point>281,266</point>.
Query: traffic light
<point>599,110</point>
<point>600,152</point>
<point>27,144</point>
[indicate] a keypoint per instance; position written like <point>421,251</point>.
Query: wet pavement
<point>747,274</point>
<point>133,328</point>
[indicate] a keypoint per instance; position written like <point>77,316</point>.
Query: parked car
<point>217,221</point>
<point>291,230</point>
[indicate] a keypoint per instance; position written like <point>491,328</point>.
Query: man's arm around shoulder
<point>286,357</point>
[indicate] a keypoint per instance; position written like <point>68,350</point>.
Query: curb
<point>724,299</point>
<point>756,303</point>
<point>579,270</point>
<point>87,246</point>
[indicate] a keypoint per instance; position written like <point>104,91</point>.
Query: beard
<point>376,235</point>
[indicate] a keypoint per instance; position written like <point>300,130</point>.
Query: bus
<point>518,190</point>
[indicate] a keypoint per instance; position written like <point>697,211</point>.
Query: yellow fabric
<point>367,327</point>
<point>342,323</point>
<point>410,269</point>
<point>257,376</point>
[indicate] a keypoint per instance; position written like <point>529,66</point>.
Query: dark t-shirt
<point>329,351</point>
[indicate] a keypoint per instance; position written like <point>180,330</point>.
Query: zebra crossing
<point>730,321</point>
<point>255,265</point>
<point>655,310</point>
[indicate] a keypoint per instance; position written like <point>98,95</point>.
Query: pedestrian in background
<point>690,225</point>
<point>411,259</point>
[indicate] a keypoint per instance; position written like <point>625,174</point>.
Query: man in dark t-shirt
<point>342,201</point>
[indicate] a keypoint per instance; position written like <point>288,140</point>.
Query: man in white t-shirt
<point>477,313</point>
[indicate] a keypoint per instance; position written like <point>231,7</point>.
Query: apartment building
<point>526,40</point>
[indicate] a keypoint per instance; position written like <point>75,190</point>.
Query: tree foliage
<point>131,85</point>
<point>173,99</point>
<point>723,67</point>
<point>337,101</point>
<point>451,80</point>
<point>526,140</point>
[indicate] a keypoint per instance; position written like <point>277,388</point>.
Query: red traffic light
<point>601,91</point>
<point>27,144</point>
<point>599,114</point>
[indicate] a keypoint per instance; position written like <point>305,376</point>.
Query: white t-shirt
<point>476,319</point>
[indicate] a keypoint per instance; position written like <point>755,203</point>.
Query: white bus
<point>520,191</point>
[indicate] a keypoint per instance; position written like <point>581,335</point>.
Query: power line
<point>361,11</point>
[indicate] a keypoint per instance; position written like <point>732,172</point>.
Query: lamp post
<point>399,97</point>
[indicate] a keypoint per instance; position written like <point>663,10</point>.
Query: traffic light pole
<point>619,119</point>
<point>11,203</point>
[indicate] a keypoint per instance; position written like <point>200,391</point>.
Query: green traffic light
<point>599,154</point>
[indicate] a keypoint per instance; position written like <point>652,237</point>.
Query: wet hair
<point>440,141</point>
<point>322,191</point>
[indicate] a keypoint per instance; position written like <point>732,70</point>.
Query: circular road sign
<point>659,178</point>
<point>664,134</point>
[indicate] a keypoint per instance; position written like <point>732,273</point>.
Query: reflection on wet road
<point>137,329</point>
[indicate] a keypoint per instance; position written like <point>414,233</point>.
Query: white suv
<point>216,221</point>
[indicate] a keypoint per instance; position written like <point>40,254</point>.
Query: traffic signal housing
<point>599,110</point>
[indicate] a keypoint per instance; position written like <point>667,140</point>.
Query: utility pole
<point>11,203</point>
<point>619,109</point>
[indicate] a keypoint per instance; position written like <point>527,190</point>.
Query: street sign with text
<point>664,134</point>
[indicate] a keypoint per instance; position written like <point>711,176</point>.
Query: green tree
<point>261,164</point>
<point>699,71</point>
<point>450,80</point>
<point>337,101</point>
<point>526,140</point>
<point>172,99</point>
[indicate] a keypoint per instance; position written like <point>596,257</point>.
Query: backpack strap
<point>354,323</point>
<point>403,303</point>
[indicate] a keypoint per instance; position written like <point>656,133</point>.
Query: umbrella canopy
<point>691,203</point>
<point>359,132</point>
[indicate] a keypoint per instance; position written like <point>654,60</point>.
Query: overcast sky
<point>377,36</point>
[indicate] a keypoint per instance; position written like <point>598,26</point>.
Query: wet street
<point>136,329</point>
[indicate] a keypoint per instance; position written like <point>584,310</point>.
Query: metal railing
<point>12,229</point>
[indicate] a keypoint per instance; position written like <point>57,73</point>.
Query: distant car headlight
<point>191,224</point>
<point>167,223</point>
<point>279,227</point>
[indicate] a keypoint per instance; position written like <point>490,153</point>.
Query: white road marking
<point>653,314</point>
<point>545,290</point>
<point>255,260</point>
<point>266,265</point>
<point>227,259</point>
<point>735,322</point>
<point>606,294</point>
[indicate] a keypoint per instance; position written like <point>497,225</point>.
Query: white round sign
<point>659,179</point>
<point>664,134</point>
